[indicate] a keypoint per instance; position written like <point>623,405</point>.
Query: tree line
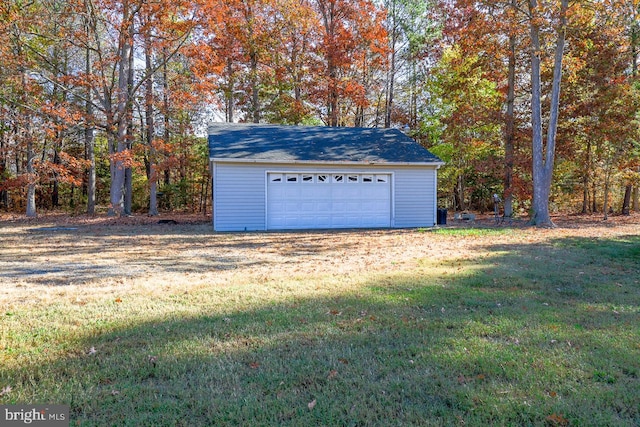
<point>100,100</point>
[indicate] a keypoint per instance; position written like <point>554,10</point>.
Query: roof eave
<point>325,162</point>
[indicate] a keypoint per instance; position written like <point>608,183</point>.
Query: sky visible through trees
<point>102,102</point>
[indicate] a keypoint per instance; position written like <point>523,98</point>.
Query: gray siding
<point>239,193</point>
<point>238,197</point>
<point>415,197</point>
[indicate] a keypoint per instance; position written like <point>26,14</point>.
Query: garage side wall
<point>239,193</point>
<point>238,197</point>
<point>415,197</point>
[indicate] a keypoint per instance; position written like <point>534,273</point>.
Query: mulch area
<point>65,219</point>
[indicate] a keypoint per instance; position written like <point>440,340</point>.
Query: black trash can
<point>442,217</point>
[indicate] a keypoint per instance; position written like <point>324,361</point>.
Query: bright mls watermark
<point>34,415</point>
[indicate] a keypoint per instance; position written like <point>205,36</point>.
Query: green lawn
<point>511,333</point>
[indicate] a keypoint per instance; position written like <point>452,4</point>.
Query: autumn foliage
<point>100,99</point>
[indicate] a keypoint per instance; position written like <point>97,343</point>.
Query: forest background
<point>102,102</point>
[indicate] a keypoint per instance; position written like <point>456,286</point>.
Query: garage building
<point>272,177</point>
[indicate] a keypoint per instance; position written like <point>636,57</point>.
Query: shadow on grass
<point>533,335</point>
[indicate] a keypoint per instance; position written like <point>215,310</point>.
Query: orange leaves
<point>556,420</point>
<point>67,169</point>
<point>463,380</point>
<point>125,159</point>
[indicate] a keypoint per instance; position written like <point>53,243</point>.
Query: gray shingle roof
<point>260,142</point>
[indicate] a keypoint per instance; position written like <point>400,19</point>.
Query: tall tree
<point>412,29</point>
<point>349,30</point>
<point>544,151</point>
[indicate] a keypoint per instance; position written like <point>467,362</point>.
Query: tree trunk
<point>510,129</point>
<point>626,203</point>
<point>391,75</point>
<point>4,194</point>
<point>543,157</point>
<point>55,193</point>
<point>150,124</point>
<point>128,193</point>
<point>31,186</point>
<point>167,121</point>
<point>332,99</point>
<point>585,194</point>
<point>634,73</point>
<point>125,50</point>
<point>230,92</point>
<point>585,178</point>
<point>89,142</point>
<point>89,132</point>
<point>118,165</point>
<point>459,194</point>
<point>255,93</point>
<point>90,154</point>
<point>128,172</point>
<point>605,207</point>
<point>31,175</point>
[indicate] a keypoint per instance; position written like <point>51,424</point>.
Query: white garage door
<point>328,200</point>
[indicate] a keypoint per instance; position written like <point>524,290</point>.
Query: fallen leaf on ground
<point>312,404</point>
<point>5,390</point>
<point>557,420</point>
<point>153,360</point>
<point>332,374</point>
<point>92,351</point>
